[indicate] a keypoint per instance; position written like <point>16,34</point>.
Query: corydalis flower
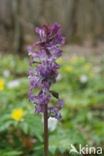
<point>50,37</point>
<point>45,72</point>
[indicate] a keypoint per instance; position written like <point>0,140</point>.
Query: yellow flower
<point>60,60</point>
<point>17,114</point>
<point>74,60</point>
<point>68,69</point>
<point>87,67</point>
<point>1,85</point>
<point>92,74</point>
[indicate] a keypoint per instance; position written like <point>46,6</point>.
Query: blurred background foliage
<point>80,80</point>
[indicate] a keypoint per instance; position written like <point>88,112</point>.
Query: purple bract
<point>45,72</point>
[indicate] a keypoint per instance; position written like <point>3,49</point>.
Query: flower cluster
<point>45,72</point>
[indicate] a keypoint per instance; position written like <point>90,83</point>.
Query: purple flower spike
<point>45,72</point>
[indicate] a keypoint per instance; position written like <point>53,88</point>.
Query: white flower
<point>59,77</point>
<point>6,73</point>
<point>13,84</point>
<point>13,63</point>
<point>83,79</point>
<point>52,123</point>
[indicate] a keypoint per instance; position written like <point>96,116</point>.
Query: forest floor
<point>87,50</point>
